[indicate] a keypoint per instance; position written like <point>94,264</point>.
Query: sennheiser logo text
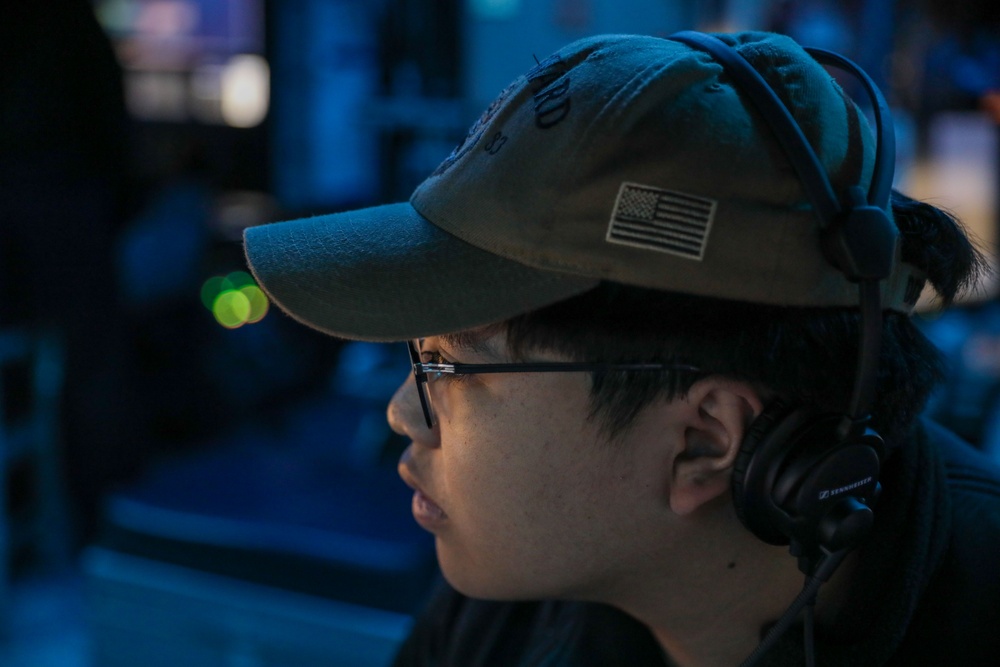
<point>823,495</point>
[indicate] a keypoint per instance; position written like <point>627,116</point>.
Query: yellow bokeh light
<point>258,303</point>
<point>231,309</point>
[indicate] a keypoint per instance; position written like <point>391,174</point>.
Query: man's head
<point>622,202</point>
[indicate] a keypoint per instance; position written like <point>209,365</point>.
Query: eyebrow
<point>473,340</point>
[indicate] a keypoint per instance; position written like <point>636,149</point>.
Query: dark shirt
<point>926,590</point>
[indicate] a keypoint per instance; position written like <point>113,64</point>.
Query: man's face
<point>524,494</point>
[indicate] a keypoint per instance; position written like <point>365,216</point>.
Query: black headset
<point>804,477</point>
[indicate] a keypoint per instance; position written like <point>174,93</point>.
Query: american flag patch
<point>661,220</point>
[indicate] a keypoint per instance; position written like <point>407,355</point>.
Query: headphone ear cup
<point>758,446</point>
<point>792,476</point>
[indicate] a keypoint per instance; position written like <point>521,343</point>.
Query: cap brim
<point>387,274</point>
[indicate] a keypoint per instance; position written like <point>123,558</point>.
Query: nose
<point>404,413</point>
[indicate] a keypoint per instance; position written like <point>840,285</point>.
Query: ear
<point>716,414</point>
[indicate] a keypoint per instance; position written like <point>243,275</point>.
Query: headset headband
<point>856,233</point>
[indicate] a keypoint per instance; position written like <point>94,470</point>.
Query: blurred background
<point>186,475</point>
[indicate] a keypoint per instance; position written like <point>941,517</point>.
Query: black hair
<point>804,355</point>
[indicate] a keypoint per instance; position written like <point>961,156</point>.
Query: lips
<point>425,510</point>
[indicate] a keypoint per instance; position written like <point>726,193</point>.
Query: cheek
<point>500,470</point>
<point>526,494</point>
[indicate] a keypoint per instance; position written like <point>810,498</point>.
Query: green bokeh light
<point>238,279</point>
<point>211,289</point>
<point>234,299</point>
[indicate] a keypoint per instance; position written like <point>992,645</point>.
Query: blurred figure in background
<point>62,201</point>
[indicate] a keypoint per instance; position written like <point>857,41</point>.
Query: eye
<point>435,357</point>
<point>432,357</point>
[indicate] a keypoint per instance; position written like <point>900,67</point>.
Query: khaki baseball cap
<point>623,158</point>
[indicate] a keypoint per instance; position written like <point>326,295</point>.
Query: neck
<point>712,612</point>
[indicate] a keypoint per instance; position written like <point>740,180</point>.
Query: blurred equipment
<point>968,401</point>
<point>286,542</point>
<point>501,36</point>
<point>325,63</point>
<point>190,59</point>
<point>33,510</point>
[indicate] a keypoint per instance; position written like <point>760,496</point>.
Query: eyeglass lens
<point>421,382</point>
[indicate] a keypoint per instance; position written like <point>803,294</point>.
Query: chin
<point>484,585</point>
<point>501,584</point>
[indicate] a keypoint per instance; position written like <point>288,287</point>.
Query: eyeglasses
<point>425,372</point>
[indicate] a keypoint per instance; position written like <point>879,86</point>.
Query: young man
<point>641,370</point>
